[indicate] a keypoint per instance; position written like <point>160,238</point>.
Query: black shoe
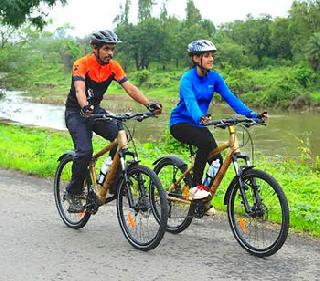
<point>75,202</point>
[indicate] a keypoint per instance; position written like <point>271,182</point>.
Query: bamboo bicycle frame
<point>233,146</point>
<point>122,142</point>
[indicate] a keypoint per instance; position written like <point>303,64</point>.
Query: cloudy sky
<point>89,15</point>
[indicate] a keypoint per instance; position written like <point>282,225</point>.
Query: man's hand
<point>87,110</point>
<point>205,119</point>
<point>154,107</point>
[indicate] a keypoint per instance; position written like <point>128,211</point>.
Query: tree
<point>123,16</point>
<point>169,51</point>
<point>6,34</point>
<point>193,14</point>
<point>16,12</point>
<point>208,26</point>
<point>126,11</point>
<point>280,39</point>
<point>144,9</point>
<point>313,50</point>
<point>304,21</point>
<point>231,53</point>
<point>143,41</point>
<point>164,11</point>
<point>9,35</point>
<point>186,35</point>
<point>253,34</point>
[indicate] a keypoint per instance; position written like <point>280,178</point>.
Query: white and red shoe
<point>199,192</point>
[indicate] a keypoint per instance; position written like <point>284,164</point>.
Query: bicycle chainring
<point>197,209</point>
<point>92,205</point>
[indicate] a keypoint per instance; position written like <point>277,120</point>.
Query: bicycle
<point>257,207</point>
<point>135,185</point>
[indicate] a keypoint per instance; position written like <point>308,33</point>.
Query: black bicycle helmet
<point>104,37</point>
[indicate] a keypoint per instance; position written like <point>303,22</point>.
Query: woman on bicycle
<point>189,117</point>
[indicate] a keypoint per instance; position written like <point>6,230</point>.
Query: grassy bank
<point>35,151</point>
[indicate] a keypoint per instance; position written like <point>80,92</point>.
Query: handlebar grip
<point>259,121</point>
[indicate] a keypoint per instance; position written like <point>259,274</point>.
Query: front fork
<point>124,168</point>
<point>239,171</point>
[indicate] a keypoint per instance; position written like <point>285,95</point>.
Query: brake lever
<point>221,125</point>
<point>107,118</point>
<point>260,122</point>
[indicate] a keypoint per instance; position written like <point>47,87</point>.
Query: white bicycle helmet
<point>201,46</point>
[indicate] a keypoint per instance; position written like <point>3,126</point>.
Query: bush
<point>279,96</point>
<point>304,75</point>
<point>142,76</point>
<point>315,98</point>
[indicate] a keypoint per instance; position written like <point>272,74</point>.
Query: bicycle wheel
<point>61,180</point>
<point>134,209</point>
<point>263,230</point>
<point>168,172</point>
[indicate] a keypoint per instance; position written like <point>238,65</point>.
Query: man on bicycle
<point>189,117</point>
<point>91,76</point>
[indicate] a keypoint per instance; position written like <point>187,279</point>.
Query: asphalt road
<point>36,245</point>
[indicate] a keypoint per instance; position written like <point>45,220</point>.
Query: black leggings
<point>200,137</point>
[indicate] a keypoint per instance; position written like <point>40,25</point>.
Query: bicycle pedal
<point>70,211</point>
<point>91,208</point>
<point>197,209</point>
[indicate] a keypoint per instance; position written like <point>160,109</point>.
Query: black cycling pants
<point>200,137</point>
<point>81,130</point>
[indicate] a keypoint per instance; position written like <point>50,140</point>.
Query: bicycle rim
<point>137,220</point>
<point>263,231</point>
<point>62,178</point>
<point>178,219</point>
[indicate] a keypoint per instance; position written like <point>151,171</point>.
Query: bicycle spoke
<point>178,218</point>
<point>138,221</point>
<point>62,179</point>
<point>263,229</point>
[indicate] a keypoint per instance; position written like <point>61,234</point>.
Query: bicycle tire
<point>263,232</point>
<point>178,216</point>
<point>61,179</point>
<point>142,182</point>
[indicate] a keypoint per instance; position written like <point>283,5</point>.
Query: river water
<point>281,136</point>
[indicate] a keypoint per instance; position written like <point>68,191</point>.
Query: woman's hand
<point>263,116</point>
<point>205,119</point>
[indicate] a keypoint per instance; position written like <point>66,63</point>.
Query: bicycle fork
<point>124,168</point>
<point>239,171</point>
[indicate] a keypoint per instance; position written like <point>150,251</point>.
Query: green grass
<point>35,151</point>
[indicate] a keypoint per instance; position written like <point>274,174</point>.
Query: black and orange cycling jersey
<point>97,79</point>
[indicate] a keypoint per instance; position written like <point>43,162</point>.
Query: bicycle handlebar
<point>123,116</point>
<point>248,122</point>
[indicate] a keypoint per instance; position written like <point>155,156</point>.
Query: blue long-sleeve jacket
<point>196,94</point>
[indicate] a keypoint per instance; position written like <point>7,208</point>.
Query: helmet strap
<point>204,71</point>
<point>97,54</point>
